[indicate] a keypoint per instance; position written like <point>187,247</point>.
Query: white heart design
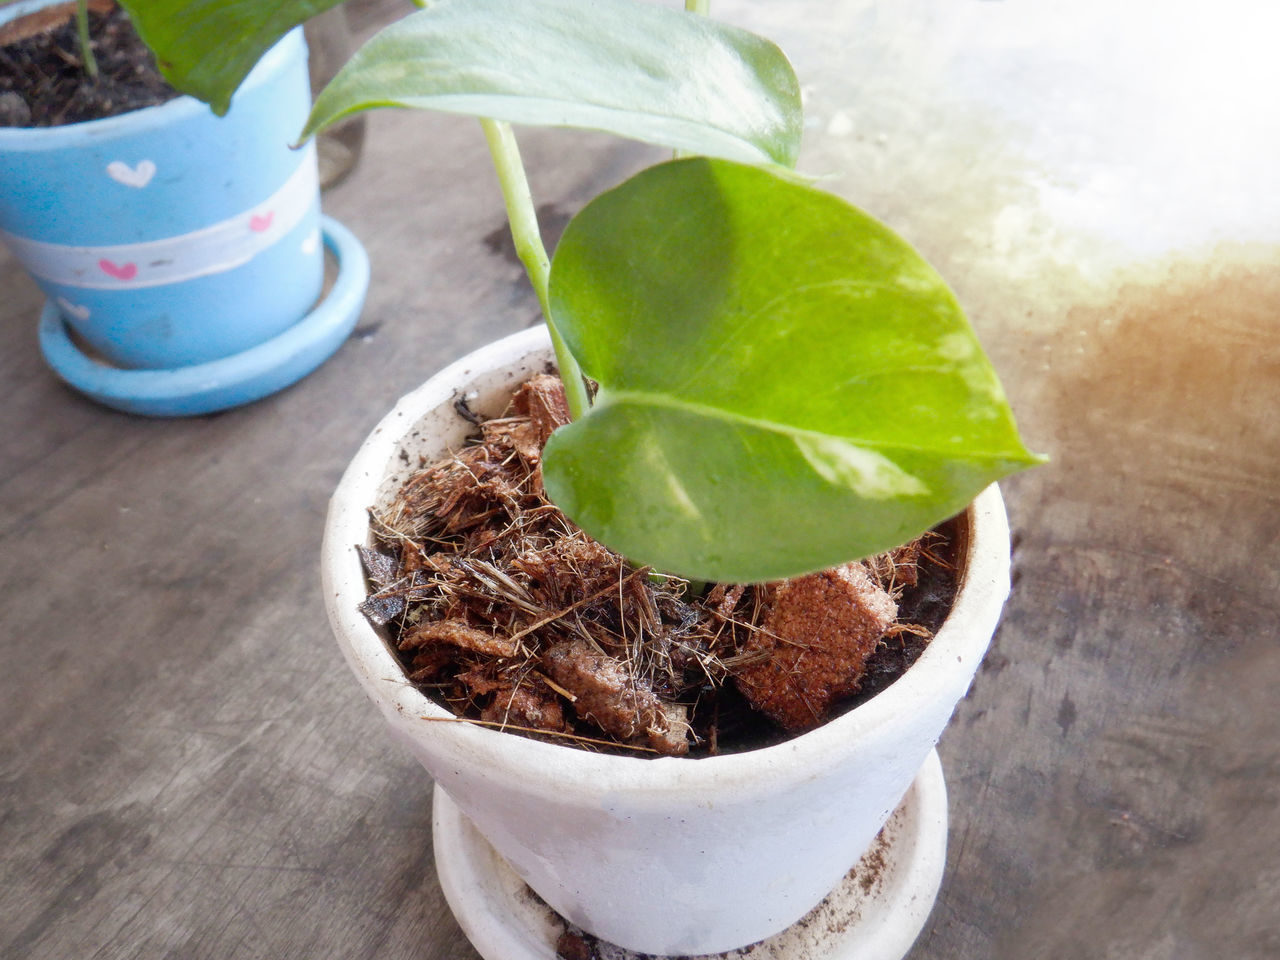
<point>138,176</point>
<point>77,310</point>
<point>311,243</point>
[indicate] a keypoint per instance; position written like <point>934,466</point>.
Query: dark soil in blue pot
<point>43,81</point>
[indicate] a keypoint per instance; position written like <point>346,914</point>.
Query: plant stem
<point>82,32</point>
<point>524,231</point>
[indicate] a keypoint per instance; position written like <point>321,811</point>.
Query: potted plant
<point>182,254</point>
<point>781,384</point>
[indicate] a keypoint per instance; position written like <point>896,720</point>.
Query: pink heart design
<point>260,222</point>
<point>123,271</point>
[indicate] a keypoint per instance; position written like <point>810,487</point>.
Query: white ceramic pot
<point>669,855</point>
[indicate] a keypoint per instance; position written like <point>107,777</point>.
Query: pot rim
<point>954,651</point>
<point>143,120</point>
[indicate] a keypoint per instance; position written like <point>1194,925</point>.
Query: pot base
<point>231,381</point>
<point>875,913</point>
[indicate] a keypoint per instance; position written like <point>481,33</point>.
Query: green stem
<point>82,32</point>
<point>524,231</point>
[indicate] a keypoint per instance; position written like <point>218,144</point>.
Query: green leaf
<point>207,47</point>
<point>785,384</point>
<point>652,73</point>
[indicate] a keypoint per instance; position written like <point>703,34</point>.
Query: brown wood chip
<point>817,637</point>
<point>542,400</point>
<point>526,705</point>
<point>457,634</point>
<point>617,702</point>
<point>46,20</point>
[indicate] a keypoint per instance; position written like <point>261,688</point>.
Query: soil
<point>508,615</point>
<point>42,78</point>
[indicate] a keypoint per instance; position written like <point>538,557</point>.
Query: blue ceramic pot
<point>169,237</point>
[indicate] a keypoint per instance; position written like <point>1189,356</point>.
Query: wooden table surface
<point>187,770</point>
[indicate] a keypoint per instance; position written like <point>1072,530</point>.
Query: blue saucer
<point>232,381</point>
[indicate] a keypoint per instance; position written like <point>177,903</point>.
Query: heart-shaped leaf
<point>785,384</point>
<point>207,47</point>
<point>651,73</point>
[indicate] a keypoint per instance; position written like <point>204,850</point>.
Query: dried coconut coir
<point>818,635</point>
<point>508,614</point>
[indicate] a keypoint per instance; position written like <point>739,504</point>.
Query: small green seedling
<point>83,40</point>
<point>82,36</point>
<point>784,383</point>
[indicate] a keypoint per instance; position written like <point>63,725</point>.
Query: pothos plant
<point>784,384</point>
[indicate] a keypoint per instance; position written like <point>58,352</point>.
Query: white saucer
<point>876,913</point>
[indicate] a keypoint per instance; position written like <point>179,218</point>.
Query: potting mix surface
<point>509,615</point>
